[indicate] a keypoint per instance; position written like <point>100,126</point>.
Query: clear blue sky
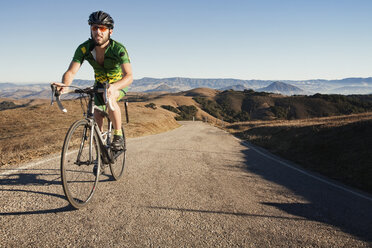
<point>244,39</point>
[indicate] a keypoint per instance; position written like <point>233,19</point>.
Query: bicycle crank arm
<point>118,153</point>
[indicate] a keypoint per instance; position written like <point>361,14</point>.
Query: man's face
<point>100,34</point>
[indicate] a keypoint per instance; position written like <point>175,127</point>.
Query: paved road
<point>195,186</point>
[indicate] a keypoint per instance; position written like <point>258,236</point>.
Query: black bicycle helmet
<point>101,18</point>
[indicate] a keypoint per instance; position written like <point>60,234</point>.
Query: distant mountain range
<point>163,88</point>
<point>345,86</point>
<point>276,87</point>
<point>282,88</point>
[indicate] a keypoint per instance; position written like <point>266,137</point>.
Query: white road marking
<point>33,164</point>
<point>28,165</point>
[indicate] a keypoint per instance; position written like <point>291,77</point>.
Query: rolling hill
<point>282,88</point>
<point>233,106</point>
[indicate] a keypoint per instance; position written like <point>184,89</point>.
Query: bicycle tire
<point>77,168</point>
<point>117,168</point>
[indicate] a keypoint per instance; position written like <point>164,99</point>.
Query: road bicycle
<point>87,149</point>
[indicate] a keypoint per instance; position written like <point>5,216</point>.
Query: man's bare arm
<point>127,77</point>
<point>69,75</point>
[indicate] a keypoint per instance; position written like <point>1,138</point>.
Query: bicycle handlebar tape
<point>53,92</point>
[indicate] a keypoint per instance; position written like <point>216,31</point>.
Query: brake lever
<point>56,94</point>
<point>60,105</point>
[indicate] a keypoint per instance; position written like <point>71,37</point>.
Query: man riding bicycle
<point>110,62</point>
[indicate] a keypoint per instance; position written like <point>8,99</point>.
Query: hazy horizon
<point>273,80</point>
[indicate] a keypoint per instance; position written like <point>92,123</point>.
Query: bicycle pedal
<point>117,149</point>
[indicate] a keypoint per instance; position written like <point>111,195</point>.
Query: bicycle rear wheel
<point>117,168</point>
<point>80,154</point>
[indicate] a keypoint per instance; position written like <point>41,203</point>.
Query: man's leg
<point>115,117</point>
<point>99,120</point>
<point>98,117</point>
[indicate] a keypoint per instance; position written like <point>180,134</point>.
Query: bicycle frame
<point>107,155</point>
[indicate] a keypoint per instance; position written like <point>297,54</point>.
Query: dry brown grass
<point>338,147</point>
<point>36,131</point>
<point>172,100</point>
<point>180,99</point>
<point>204,92</point>
<point>28,102</point>
<point>333,121</point>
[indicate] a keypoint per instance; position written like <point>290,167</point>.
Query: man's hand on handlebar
<point>60,86</point>
<point>111,90</point>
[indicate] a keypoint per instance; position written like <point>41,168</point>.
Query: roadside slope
<point>38,130</point>
<point>338,147</point>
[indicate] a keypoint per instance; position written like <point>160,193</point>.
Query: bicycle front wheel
<point>80,163</point>
<point>117,168</point>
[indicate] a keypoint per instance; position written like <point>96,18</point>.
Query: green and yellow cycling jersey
<point>115,55</point>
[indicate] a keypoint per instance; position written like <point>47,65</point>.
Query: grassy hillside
<point>337,147</point>
<point>39,130</point>
<point>182,104</point>
<point>247,105</point>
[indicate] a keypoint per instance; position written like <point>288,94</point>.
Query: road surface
<point>195,186</point>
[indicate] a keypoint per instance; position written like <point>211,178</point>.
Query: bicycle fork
<point>84,138</point>
<point>105,150</point>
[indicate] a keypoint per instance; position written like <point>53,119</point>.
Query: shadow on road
<point>46,211</point>
<point>29,179</point>
<point>327,203</point>
<point>32,179</point>
<point>37,177</point>
<point>223,212</point>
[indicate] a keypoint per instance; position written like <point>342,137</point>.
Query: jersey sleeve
<point>79,54</point>
<point>123,56</point>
